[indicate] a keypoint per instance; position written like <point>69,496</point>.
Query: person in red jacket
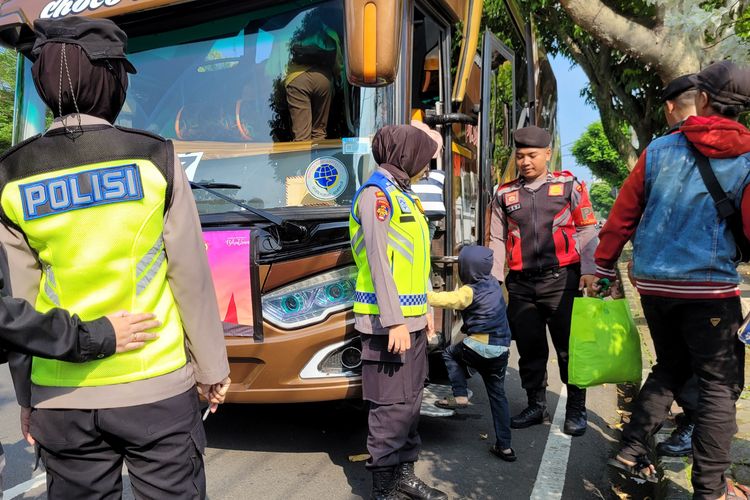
<point>685,271</point>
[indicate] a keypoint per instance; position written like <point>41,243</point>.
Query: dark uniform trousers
<point>536,301</point>
<point>394,391</point>
<point>161,443</point>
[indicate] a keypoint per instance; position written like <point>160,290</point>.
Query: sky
<point>573,113</point>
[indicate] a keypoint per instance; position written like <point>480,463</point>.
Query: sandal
<point>736,491</point>
<point>637,472</point>
<point>449,403</point>
<point>508,457</point>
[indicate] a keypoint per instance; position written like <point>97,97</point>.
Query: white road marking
<point>550,480</point>
<point>22,488</point>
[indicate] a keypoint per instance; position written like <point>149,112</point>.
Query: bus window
<point>257,99</point>
<point>426,85</point>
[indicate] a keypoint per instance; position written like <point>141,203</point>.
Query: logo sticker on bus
<point>62,8</point>
<point>326,178</point>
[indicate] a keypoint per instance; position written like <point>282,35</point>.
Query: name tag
<point>85,189</point>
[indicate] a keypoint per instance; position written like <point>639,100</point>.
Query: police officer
<point>60,335</point>
<point>544,224</point>
<point>390,242</point>
<point>99,218</point>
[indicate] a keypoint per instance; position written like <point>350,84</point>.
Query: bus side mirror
<point>373,41</point>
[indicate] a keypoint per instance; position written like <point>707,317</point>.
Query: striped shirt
<point>431,193</point>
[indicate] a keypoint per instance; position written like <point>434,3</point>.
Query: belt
<point>536,273</point>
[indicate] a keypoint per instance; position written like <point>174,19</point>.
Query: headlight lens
<point>312,300</point>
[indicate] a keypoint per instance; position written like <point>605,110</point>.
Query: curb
<point>675,472</point>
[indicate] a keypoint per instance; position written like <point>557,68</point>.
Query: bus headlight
<point>312,300</point>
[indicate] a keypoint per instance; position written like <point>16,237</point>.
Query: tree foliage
<point>593,150</point>
<point>602,200</point>
<point>629,49</point>
<point>7,96</point>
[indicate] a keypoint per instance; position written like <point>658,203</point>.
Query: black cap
<point>726,83</point>
<point>100,39</point>
<point>532,137</point>
<point>678,86</point>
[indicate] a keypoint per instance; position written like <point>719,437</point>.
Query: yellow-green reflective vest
<point>408,251</point>
<point>97,230</point>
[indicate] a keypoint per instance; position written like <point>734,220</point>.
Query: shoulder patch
<point>382,209</point>
<point>507,187</point>
<point>380,194</point>
<point>563,176</point>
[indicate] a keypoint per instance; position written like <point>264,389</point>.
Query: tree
<point>7,96</point>
<point>630,48</point>
<point>676,37</point>
<point>602,200</point>
<point>665,38</point>
<point>593,150</point>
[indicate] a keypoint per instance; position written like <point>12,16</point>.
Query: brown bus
<point>271,106</point>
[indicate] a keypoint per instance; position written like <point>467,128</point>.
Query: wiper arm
<point>275,219</point>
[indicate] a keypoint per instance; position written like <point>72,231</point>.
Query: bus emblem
<point>326,178</point>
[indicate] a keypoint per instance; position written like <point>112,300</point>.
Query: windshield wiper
<point>273,218</point>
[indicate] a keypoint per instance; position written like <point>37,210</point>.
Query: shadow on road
<point>336,428</point>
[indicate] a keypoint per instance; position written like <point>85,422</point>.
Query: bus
<point>271,107</point>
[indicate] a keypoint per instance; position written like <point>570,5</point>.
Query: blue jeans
<point>457,358</point>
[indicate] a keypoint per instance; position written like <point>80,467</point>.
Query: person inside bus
<point>314,71</point>
<point>390,243</point>
<point>486,346</point>
<point>97,217</point>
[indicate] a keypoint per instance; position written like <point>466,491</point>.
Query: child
<point>485,349</point>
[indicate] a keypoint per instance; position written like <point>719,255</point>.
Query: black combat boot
<point>534,414</point>
<point>384,485</point>
<point>680,442</point>
<point>575,412</point>
<point>410,485</point>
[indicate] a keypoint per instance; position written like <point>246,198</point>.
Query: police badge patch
<point>382,209</point>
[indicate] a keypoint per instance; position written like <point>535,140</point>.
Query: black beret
<point>100,39</point>
<point>677,86</point>
<point>726,83</point>
<point>532,137</point>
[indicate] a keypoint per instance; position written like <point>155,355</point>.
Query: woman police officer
<point>391,244</point>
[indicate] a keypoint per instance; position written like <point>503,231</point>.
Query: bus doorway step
<point>435,392</point>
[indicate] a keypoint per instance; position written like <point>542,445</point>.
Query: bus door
<point>498,118</point>
<point>428,88</point>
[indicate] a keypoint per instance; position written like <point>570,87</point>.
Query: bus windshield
<point>256,103</point>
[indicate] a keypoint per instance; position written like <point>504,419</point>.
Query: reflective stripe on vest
<point>407,249</point>
<point>97,231</point>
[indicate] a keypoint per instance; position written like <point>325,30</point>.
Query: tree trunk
<point>669,54</point>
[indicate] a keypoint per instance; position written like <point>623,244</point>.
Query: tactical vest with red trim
<point>542,223</point>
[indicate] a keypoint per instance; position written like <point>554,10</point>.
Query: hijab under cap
<point>403,150</point>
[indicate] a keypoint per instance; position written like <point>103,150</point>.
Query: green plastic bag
<point>605,346</point>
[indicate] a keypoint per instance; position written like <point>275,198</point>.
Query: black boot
<point>384,485</point>
<point>409,484</point>
<point>680,442</point>
<point>534,414</point>
<point>575,412</point>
